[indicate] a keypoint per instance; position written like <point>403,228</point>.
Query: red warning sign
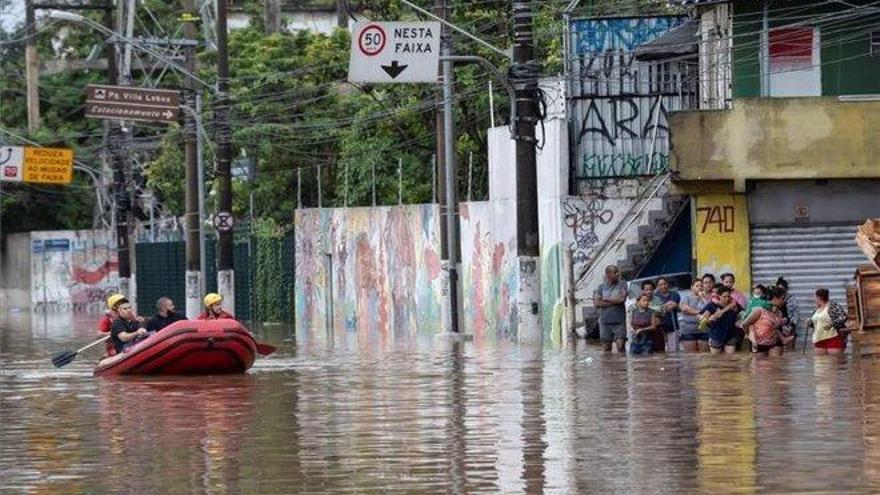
<point>372,40</point>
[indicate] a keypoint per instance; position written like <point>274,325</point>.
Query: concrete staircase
<point>634,240</point>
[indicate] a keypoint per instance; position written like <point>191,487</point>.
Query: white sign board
<point>394,52</point>
<point>11,163</point>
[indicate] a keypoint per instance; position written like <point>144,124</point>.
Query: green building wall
<point>847,65</point>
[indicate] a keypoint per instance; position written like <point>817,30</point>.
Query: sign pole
<point>451,185</point>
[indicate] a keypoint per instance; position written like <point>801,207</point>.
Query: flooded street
<point>350,414</point>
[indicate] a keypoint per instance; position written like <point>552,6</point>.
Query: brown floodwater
<point>358,414</point>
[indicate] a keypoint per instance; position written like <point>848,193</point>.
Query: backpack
<point>838,315</point>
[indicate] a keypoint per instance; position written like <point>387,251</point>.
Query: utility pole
<point>448,179</point>
<point>225,273</point>
<point>32,68</point>
<point>121,194</point>
<point>341,14</point>
<point>272,15</point>
<point>193,275</point>
<point>525,81</point>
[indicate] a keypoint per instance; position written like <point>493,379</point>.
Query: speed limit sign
<point>372,39</point>
<point>392,52</point>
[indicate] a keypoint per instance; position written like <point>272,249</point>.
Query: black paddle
<point>63,358</point>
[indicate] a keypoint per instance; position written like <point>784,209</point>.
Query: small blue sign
<point>56,245</point>
<point>50,245</point>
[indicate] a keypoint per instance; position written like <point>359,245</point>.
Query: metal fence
<point>264,276</point>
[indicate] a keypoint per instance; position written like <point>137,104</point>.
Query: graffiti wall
<point>375,270</point>
<point>72,270</point>
<point>620,104</point>
<point>488,260</point>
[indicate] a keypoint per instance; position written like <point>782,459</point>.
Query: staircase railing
<point>634,213</point>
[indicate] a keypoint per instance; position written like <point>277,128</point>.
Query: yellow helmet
<point>113,300</point>
<point>212,299</point>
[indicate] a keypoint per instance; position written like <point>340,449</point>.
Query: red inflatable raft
<point>188,347</point>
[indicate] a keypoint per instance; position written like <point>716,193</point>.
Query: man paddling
<point>214,308</point>
<point>166,314</point>
<point>128,329</point>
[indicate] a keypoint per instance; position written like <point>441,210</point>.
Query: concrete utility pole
<point>225,272</point>
<point>272,15</point>
<point>192,219</point>
<point>341,14</point>
<point>120,164</point>
<point>32,68</point>
<point>525,81</point>
<point>448,178</point>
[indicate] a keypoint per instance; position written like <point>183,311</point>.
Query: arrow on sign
<point>394,69</point>
<point>168,114</point>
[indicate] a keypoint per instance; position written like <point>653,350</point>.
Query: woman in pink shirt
<point>764,326</point>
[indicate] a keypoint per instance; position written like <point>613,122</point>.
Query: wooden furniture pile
<point>868,239</point>
<point>863,300</point>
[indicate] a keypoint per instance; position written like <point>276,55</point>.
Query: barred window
<point>875,43</point>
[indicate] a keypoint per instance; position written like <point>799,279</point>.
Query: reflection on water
<point>354,414</point>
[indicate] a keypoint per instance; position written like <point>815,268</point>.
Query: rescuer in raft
<point>214,308</point>
<point>128,329</point>
<point>110,315</point>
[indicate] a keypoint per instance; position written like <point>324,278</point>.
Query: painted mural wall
<point>375,270</point>
<point>72,270</point>
<point>620,104</point>
<point>488,260</point>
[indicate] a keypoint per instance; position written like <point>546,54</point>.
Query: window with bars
<point>875,43</point>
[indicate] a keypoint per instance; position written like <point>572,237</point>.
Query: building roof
<point>679,41</point>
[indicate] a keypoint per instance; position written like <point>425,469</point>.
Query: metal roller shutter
<point>808,257</point>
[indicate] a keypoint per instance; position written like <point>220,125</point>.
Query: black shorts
<point>693,337</point>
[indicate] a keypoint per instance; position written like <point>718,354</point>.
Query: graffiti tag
<point>624,33</point>
<point>583,217</point>
<point>623,165</point>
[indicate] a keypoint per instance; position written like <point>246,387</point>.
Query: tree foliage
<point>309,130</point>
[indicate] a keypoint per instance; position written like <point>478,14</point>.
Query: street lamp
<point>63,15</point>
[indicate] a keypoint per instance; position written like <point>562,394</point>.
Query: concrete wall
<point>488,233</point>
<point>804,202</point>
<point>382,275</point>
<point>489,281</point>
<point>16,265</point>
<point>619,105</point>
<point>722,236</point>
<point>792,138</point>
<point>72,269</point>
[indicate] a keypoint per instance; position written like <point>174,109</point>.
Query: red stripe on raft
<point>187,348</point>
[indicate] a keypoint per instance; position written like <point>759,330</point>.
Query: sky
<point>11,13</point>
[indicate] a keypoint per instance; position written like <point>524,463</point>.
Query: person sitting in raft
<point>110,315</point>
<point>128,329</point>
<point>213,308</point>
<point>166,314</point>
